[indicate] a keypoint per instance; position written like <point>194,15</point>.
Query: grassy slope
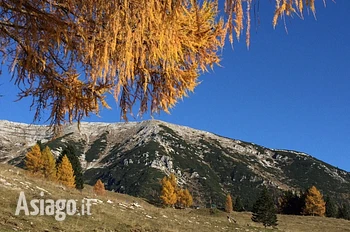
<point>116,217</point>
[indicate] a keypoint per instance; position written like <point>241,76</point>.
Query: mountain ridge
<point>132,157</point>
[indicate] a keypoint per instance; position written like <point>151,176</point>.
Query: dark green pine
<point>331,208</point>
<point>264,210</point>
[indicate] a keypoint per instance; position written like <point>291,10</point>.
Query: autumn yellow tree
<point>99,188</point>
<point>314,203</point>
<point>65,173</point>
<point>173,180</point>
<point>49,164</point>
<point>168,195</point>
<point>68,55</point>
<point>33,161</point>
<point>228,204</point>
<point>187,198</point>
<point>180,198</point>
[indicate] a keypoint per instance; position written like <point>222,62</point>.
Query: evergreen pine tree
<point>49,164</point>
<point>228,204</point>
<point>99,188</point>
<point>314,203</point>
<point>344,211</point>
<point>65,173</point>
<point>238,205</point>
<point>331,208</point>
<point>71,153</point>
<point>291,203</point>
<point>264,210</point>
<point>33,160</point>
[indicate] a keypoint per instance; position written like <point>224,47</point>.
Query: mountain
<point>132,158</point>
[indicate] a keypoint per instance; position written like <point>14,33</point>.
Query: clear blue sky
<point>289,91</point>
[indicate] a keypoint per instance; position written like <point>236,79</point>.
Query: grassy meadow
<point>119,212</point>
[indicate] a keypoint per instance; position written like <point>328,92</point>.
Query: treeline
<point>311,202</point>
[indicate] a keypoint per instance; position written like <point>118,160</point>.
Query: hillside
<point>132,157</point>
<point>120,212</point>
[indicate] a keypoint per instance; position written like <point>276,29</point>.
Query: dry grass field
<point>119,212</point>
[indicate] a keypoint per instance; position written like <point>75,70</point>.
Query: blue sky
<point>289,91</point>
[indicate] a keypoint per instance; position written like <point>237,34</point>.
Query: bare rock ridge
<point>132,158</point>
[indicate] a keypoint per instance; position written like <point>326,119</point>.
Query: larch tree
<point>173,180</point>
<point>314,203</point>
<point>99,188</point>
<point>72,155</point>
<point>188,200</point>
<point>180,198</point>
<point>168,195</point>
<point>228,204</point>
<point>49,164</point>
<point>65,173</point>
<point>33,161</point>
<point>68,55</point>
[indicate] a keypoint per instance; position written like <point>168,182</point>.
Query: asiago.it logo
<point>60,208</point>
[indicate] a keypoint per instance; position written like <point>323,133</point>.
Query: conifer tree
<point>228,204</point>
<point>33,160</point>
<point>180,198</point>
<point>188,200</point>
<point>264,210</point>
<point>65,173</point>
<point>71,153</point>
<point>49,164</point>
<point>168,195</point>
<point>331,208</point>
<point>291,203</point>
<point>184,198</point>
<point>238,204</point>
<point>173,180</point>
<point>99,188</point>
<point>344,212</point>
<point>314,203</point>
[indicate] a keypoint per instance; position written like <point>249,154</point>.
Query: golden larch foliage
<point>184,198</point>
<point>33,161</point>
<point>188,200</point>
<point>168,195</point>
<point>68,55</point>
<point>99,188</point>
<point>228,204</point>
<point>180,201</point>
<point>173,180</point>
<point>49,164</point>
<point>65,173</point>
<point>314,203</point>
